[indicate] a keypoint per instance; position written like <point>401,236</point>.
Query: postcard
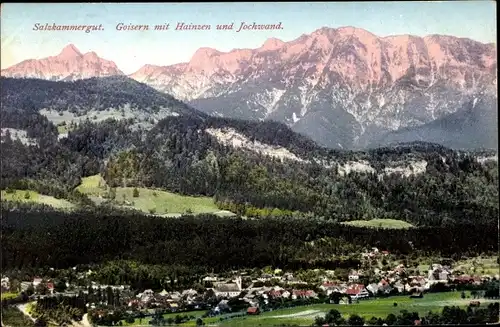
<point>249,164</point>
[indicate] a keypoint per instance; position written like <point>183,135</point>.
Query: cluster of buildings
<point>36,282</point>
<point>268,287</point>
<point>173,301</point>
<point>5,284</point>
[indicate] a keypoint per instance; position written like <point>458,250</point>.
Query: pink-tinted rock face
<point>357,55</point>
<point>69,64</point>
<point>342,87</point>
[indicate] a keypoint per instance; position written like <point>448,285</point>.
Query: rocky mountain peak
<point>69,64</point>
<point>69,52</point>
<point>272,44</point>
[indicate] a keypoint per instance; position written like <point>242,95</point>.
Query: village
<point>252,295</point>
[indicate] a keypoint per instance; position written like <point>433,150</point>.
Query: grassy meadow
<point>305,315</point>
<point>145,321</point>
<point>12,316</point>
<point>380,223</point>
<point>149,200</point>
<point>479,265</point>
<point>9,295</point>
<point>32,196</point>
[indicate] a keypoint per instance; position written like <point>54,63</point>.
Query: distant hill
<point>87,95</point>
<point>31,102</point>
<point>473,126</point>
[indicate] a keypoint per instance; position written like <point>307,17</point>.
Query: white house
<point>36,281</point>
<point>373,288</point>
<point>210,279</point>
<point>189,292</point>
<point>146,296</point>
<point>353,276</point>
<point>437,272</point>
<point>265,277</point>
<point>228,289</point>
<point>5,283</point>
<point>399,286</point>
<point>25,286</point>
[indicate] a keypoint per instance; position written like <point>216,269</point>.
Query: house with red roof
<point>296,294</point>
<point>328,284</point>
<point>274,294</point>
<point>253,311</point>
<point>357,291</point>
<point>464,279</point>
<point>50,287</point>
<point>311,293</point>
<point>383,283</point>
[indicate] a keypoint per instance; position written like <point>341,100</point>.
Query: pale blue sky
<point>132,49</point>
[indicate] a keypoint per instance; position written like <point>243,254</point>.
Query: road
<point>83,323</point>
<point>24,309</point>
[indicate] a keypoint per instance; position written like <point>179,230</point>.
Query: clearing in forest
<point>149,200</point>
<point>380,223</point>
<point>32,196</point>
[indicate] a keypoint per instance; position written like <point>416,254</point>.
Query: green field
<point>12,316</point>
<point>21,196</point>
<point>9,295</point>
<point>148,200</point>
<point>92,185</point>
<point>380,223</point>
<point>305,315</point>
<point>479,265</point>
<point>145,321</point>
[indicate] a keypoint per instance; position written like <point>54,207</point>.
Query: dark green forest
<point>60,240</point>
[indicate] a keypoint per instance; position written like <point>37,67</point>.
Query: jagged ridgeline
<point>344,87</point>
<point>108,126</point>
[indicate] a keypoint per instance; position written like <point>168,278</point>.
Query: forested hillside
<point>79,97</point>
<point>243,165</point>
<point>262,171</point>
<point>179,155</point>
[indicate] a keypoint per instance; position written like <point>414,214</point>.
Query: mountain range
<point>344,88</point>
<point>70,64</point>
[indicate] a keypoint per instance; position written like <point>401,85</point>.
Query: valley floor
<point>305,315</point>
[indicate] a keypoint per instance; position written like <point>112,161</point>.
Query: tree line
<point>450,315</point>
